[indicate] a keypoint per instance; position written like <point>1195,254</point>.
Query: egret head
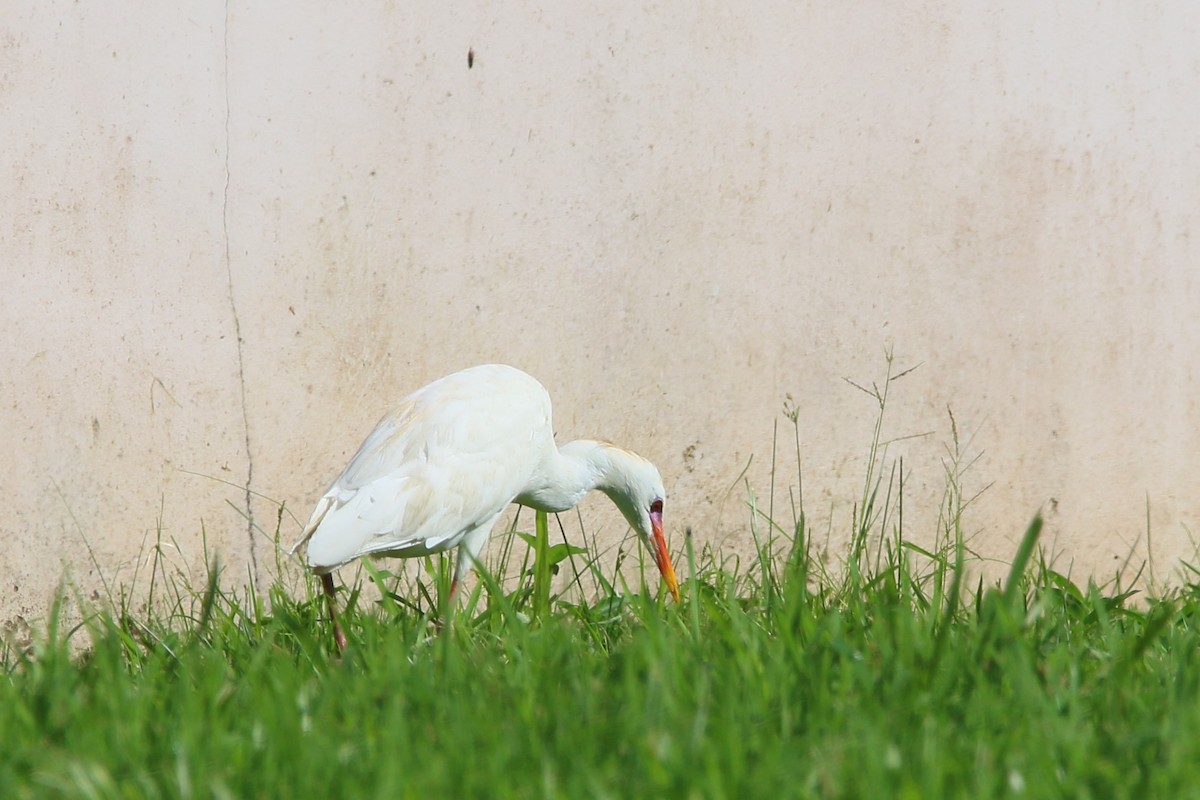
<point>635,487</point>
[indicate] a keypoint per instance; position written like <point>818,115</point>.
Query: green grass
<point>897,674</point>
<point>789,686</point>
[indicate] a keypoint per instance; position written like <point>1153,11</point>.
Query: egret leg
<point>468,554</point>
<point>339,638</point>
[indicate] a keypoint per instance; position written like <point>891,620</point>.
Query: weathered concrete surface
<point>230,237</point>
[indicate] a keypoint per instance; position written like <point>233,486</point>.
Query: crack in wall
<point>237,324</point>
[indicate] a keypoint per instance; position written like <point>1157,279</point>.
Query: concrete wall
<point>232,235</point>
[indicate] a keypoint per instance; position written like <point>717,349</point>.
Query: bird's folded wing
<point>444,461</point>
<point>411,512</point>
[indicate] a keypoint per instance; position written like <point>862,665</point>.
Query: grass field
<point>777,682</point>
<point>894,675</point>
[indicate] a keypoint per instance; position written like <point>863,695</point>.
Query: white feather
<point>446,460</point>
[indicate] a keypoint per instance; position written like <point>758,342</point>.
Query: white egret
<point>441,467</point>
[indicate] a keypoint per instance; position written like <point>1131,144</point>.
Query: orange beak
<point>662,557</point>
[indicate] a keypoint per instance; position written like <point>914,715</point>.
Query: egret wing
<point>443,462</point>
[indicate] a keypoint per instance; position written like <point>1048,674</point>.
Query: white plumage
<point>440,468</point>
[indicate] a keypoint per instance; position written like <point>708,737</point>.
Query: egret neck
<point>630,481</point>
